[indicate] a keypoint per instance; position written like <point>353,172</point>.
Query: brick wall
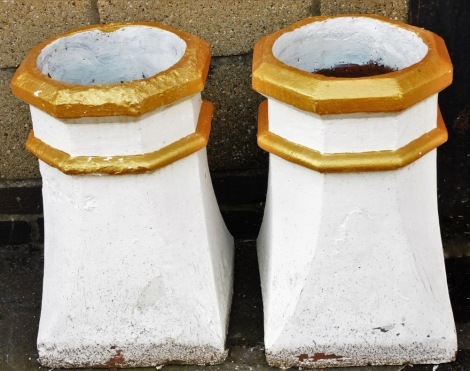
<point>232,28</point>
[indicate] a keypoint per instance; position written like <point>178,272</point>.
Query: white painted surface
<point>138,268</point>
<point>95,57</point>
<point>118,135</point>
<point>349,40</point>
<point>351,264</point>
<point>354,132</point>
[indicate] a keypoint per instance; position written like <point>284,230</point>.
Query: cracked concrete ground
<point>21,269</point>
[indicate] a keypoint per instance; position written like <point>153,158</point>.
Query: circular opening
<point>350,47</point>
<point>95,57</point>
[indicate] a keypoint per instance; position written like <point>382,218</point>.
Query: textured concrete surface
<point>21,269</point>
<point>395,9</point>
<point>15,124</point>
<point>26,23</point>
<point>232,144</point>
<point>231,27</point>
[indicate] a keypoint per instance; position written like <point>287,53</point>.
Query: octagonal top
<point>284,64</point>
<point>118,69</point>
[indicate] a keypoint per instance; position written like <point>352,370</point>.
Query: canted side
<point>132,164</point>
<point>348,162</point>
<point>64,99</point>
<point>291,82</point>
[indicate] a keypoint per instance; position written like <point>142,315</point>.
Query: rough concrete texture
<point>26,23</point>
<point>15,124</point>
<point>232,144</point>
<point>395,9</point>
<point>231,27</point>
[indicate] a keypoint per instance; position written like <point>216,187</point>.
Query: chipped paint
<point>318,357</point>
<point>117,360</point>
<point>321,356</point>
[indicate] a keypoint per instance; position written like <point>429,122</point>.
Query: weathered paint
<point>141,263</point>
<point>351,262</point>
<point>138,264</point>
<point>357,253</point>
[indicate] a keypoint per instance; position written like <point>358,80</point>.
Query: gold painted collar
<point>131,98</point>
<point>394,91</point>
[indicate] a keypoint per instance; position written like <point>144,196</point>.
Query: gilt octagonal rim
<point>129,98</point>
<point>389,92</point>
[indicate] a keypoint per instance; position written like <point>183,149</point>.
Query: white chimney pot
<point>350,252</point>
<point>138,262</point>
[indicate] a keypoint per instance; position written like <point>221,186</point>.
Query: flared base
<point>138,269</point>
<point>352,268</point>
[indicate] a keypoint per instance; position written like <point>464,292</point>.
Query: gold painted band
<point>348,162</point>
<point>389,92</point>
<point>133,164</point>
<point>130,98</point>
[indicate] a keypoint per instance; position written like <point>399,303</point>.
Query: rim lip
<point>130,98</point>
<point>393,91</point>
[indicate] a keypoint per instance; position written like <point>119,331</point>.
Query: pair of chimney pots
<point>138,262</point>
